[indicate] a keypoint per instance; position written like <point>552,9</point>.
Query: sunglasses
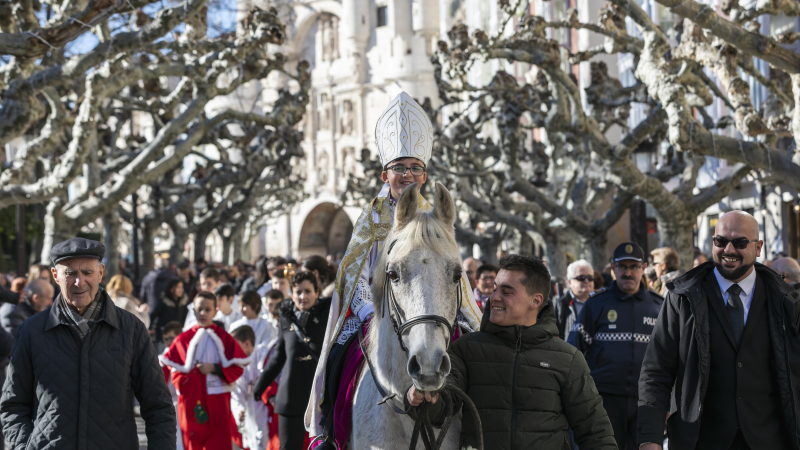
<point>584,278</point>
<point>738,243</point>
<point>416,171</point>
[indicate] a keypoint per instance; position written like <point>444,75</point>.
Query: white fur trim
<point>190,353</point>
<point>225,363</point>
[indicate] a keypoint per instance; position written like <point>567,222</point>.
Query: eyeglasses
<point>416,171</point>
<point>738,243</point>
<point>623,268</point>
<point>584,278</point>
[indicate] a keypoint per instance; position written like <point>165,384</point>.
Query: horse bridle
<point>401,325</point>
<point>398,318</point>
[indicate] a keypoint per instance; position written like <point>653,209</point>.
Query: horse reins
<point>447,394</point>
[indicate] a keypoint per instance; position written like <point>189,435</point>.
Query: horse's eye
<point>392,275</point>
<point>457,275</point>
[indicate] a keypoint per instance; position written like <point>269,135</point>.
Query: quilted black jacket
<point>529,388</point>
<point>678,358</point>
<point>64,393</point>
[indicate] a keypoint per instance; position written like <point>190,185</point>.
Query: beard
<point>734,274</point>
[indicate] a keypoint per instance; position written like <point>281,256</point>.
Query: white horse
<point>421,262</point>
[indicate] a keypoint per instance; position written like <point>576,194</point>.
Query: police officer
<point>613,330</point>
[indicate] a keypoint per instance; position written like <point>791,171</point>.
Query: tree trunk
<point>200,237</point>
<point>237,238</point>
<point>226,246</point>
<point>596,250</point>
<point>148,247</point>
<point>488,250</point>
<point>111,226</point>
<point>677,233</point>
<point>557,252</point>
<point>178,245</point>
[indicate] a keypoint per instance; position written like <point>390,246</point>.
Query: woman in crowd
<point>120,289</point>
<point>302,330</point>
<point>172,307</point>
<point>324,272</point>
<point>259,279</point>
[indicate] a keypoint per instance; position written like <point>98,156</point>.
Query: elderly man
<point>38,297</point>
<point>789,269</point>
<point>470,266</point>
<point>528,386</point>
<point>580,280</point>
<point>723,356</point>
<point>75,368</point>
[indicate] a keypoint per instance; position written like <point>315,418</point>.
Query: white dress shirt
<point>748,286</point>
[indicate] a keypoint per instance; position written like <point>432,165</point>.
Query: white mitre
<point>404,131</point>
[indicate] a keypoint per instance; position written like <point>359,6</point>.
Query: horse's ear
<point>407,206</point>
<point>444,209</point>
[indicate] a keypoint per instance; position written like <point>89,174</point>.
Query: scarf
<point>80,324</point>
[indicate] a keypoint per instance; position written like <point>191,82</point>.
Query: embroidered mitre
<point>404,131</point>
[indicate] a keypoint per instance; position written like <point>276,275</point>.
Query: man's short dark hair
<point>278,274</point>
<point>305,276</point>
<point>207,296</point>
<point>274,293</point>
<point>210,272</point>
<point>199,261</point>
<point>183,265</point>
<point>537,277</point>
<point>224,290</point>
<point>275,262</point>
<point>173,326</point>
<point>486,268</point>
<point>252,300</point>
<point>244,333</point>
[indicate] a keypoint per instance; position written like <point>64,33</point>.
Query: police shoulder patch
<point>599,291</point>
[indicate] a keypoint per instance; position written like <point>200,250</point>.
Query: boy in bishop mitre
<point>403,135</point>
<point>205,362</point>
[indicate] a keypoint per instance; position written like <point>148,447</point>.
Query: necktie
<point>736,312</point>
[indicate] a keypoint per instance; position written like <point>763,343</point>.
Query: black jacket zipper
<point>514,386</point>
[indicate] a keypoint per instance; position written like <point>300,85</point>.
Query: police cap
<point>77,248</point>
<point>628,250</point>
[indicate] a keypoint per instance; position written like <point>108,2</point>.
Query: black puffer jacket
<point>292,357</point>
<point>678,358</point>
<point>64,393</point>
<point>529,387</point>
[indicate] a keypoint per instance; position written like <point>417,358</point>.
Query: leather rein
<point>402,325</point>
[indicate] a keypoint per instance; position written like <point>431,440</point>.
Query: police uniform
<point>613,330</point>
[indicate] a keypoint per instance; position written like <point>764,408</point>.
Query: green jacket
<point>529,387</point>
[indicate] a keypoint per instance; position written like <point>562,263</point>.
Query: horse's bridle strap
<point>384,396</point>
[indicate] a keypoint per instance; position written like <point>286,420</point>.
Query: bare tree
<point>83,112</point>
<point>504,175</point>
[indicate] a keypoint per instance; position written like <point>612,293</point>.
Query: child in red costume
<point>205,362</point>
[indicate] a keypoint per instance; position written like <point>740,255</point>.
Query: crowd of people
<point>638,355</point>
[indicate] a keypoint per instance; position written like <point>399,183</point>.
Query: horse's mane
<point>425,230</point>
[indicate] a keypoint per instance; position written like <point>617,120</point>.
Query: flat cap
<point>628,250</point>
<point>77,248</point>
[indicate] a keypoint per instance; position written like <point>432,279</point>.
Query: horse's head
<point>418,284</point>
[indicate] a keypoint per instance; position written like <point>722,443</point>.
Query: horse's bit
<point>400,327</point>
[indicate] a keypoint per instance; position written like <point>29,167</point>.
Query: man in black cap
<point>613,330</point>
<point>77,365</point>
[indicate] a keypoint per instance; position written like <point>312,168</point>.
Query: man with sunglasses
<point>580,280</point>
<point>612,331</point>
<point>722,361</point>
